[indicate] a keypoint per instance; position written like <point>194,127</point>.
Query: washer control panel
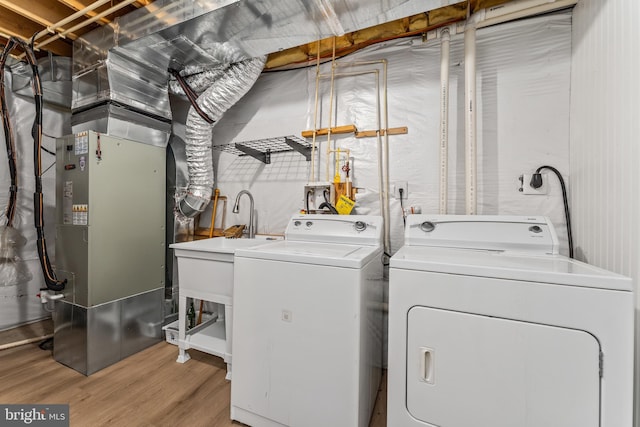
<point>347,229</point>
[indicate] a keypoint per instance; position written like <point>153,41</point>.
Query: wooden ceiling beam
<point>12,24</point>
<point>45,14</point>
<point>60,48</point>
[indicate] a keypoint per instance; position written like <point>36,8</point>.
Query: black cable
<point>327,203</point>
<point>328,206</point>
<point>50,279</point>
<point>9,140</point>
<point>536,182</point>
<point>388,255</point>
<point>404,218</point>
<point>307,201</point>
<point>191,95</point>
<point>48,151</point>
<point>46,344</point>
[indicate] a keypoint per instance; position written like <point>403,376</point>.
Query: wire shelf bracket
<point>261,149</point>
<point>263,156</point>
<point>301,148</point>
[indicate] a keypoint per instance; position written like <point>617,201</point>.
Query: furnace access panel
<point>110,217</point>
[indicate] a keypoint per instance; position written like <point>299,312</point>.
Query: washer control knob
<point>427,226</point>
<point>535,229</point>
<point>309,223</point>
<point>297,223</point>
<point>360,225</point>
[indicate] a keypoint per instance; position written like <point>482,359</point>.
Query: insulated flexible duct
<point>226,89</point>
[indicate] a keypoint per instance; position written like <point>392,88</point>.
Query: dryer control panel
<point>532,234</point>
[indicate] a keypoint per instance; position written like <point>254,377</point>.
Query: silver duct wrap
<point>198,79</point>
<point>225,90</point>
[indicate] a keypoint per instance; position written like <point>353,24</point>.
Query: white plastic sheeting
<point>523,74</point>
<point>19,304</point>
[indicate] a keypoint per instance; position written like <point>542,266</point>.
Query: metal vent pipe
<point>225,90</point>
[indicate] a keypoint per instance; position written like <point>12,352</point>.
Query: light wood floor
<point>147,389</point>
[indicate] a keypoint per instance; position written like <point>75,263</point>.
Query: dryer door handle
<point>427,363</point>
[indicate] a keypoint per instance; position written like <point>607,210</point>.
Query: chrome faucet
<point>236,209</point>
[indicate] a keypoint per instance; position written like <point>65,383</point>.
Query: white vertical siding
<point>605,127</point>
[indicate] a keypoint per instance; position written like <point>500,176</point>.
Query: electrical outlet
<point>526,188</point>
<point>400,185</point>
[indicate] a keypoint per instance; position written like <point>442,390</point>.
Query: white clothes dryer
<point>490,327</point>
<point>307,337</point>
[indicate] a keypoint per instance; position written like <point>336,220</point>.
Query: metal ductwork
<point>180,33</point>
<point>55,75</point>
<point>211,41</point>
<point>227,87</point>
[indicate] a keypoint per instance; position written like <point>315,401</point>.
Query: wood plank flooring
<point>147,389</point>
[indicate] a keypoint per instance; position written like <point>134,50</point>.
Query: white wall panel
<point>605,125</point>
<point>523,100</point>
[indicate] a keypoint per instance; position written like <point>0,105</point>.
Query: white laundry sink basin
<point>205,267</point>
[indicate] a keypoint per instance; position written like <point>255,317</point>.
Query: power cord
<point>404,218</point>
<point>306,201</point>
<point>50,278</point>
<point>385,258</point>
<point>536,182</point>
<point>327,203</point>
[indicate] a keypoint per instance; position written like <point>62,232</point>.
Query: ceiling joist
<point>22,19</point>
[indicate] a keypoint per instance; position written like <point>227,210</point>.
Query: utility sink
<point>205,272</point>
<point>206,266</point>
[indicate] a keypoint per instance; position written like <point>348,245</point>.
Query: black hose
<point>50,279</point>
<point>191,95</point>
<point>48,151</point>
<point>328,206</point>
<point>565,201</point>
<point>10,144</point>
<point>327,203</point>
<point>404,218</point>
<point>306,201</point>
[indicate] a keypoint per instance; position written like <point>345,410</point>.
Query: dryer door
<point>472,370</point>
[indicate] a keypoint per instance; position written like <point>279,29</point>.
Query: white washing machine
<point>307,338</point>
<point>490,327</point>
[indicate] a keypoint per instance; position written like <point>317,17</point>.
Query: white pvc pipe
<point>383,145</point>
<point>470,116</point>
<point>444,118</point>
<point>383,151</point>
<point>312,174</point>
<point>387,210</point>
<point>73,17</point>
<point>25,341</point>
<point>331,93</point>
<point>483,18</point>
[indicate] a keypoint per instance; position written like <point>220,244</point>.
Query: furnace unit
<point>110,246</point>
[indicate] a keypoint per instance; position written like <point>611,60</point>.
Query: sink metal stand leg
<point>183,356</point>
